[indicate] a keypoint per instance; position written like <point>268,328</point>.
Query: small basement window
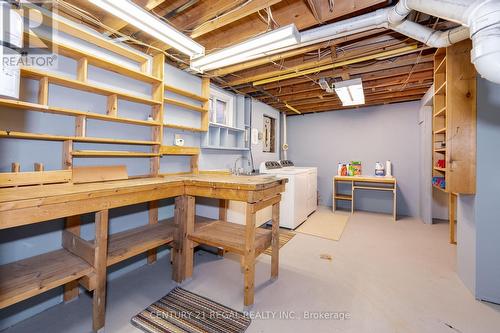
<point>221,108</point>
<point>269,135</point>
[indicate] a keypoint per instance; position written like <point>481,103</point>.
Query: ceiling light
<point>350,92</point>
<point>253,48</point>
<point>323,83</point>
<point>152,25</point>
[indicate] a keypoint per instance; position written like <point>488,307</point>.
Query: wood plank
<point>49,137</point>
<point>90,174</point>
<point>32,73</point>
<point>71,289</point>
<point>230,236</point>
<point>110,153</point>
<point>78,246</point>
<point>129,243</point>
<point>8,179</point>
<point>20,105</point>
<point>179,150</point>
<point>32,276</point>
<point>250,242</point>
<point>185,93</point>
<point>184,128</point>
<point>233,16</point>
<point>153,220</point>
<point>185,105</point>
<point>275,241</point>
<point>100,264</point>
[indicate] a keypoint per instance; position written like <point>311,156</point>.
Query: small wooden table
<point>365,183</point>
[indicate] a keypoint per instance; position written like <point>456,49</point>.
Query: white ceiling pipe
<point>483,19</point>
<point>429,36</point>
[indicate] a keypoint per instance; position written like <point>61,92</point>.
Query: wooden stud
<point>275,241</point>
<point>80,126</point>
<point>100,264</point>
<point>205,92</point>
<point>43,91</point>
<point>112,105</point>
<point>249,256</point>
<point>38,166</point>
<point>152,219</point>
<point>15,167</point>
<point>82,69</point>
<point>194,164</point>
<point>67,156</point>
<point>183,247</point>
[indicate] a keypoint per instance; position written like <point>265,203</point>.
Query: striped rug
<point>182,311</point>
<point>285,237</point>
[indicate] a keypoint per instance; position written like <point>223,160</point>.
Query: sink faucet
<point>235,170</point>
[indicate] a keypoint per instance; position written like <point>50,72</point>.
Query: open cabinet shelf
<point>454,119</point>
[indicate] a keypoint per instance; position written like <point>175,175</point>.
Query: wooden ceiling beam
<point>244,11</point>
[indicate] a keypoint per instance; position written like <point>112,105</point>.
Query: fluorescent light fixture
<point>150,24</point>
<point>350,92</point>
<point>252,48</point>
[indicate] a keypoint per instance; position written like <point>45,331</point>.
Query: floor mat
<point>183,311</point>
<point>285,237</point>
<point>325,224</point>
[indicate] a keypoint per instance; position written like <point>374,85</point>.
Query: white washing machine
<point>312,184</point>
<point>296,202</point>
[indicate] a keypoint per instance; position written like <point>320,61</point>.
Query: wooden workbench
<point>86,261</point>
<point>373,183</point>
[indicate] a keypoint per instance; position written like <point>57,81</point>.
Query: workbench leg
<point>223,205</point>
<point>249,255</point>
<point>275,241</point>
<point>394,208</point>
<point>352,197</point>
<point>153,219</point>
<point>71,289</point>
<point>452,206</point>
<point>334,202</point>
<point>100,264</point>
<point>183,247</point>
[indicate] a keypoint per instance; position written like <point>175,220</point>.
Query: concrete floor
<point>389,277</point>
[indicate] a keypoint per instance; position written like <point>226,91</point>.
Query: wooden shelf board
<point>184,128</point>
<point>75,53</point>
<point>440,169</point>
<point>32,276</point>
<point>20,105</point>
<point>184,105</point>
<point>185,93</point>
<point>48,137</point>
<point>129,243</point>
<point>440,150</point>
<point>225,148</point>
<point>346,197</point>
<point>103,153</point>
<point>67,82</point>
<point>440,131</point>
<point>441,113</point>
<point>177,150</point>
<point>230,237</point>
<point>441,90</point>
<point>439,188</point>
<point>231,128</point>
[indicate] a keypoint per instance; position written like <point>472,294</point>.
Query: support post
<point>183,247</point>
<point>275,241</point>
<point>452,207</point>
<point>249,256</point>
<point>71,289</point>
<point>153,219</point>
<point>100,264</point>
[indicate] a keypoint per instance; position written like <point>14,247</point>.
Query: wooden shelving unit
<point>230,237</point>
<point>454,118</point>
<point>29,277</point>
<point>202,107</point>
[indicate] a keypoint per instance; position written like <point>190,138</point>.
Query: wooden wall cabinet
<point>454,119</point>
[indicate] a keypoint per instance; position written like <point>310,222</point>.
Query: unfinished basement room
<point>259,166</point>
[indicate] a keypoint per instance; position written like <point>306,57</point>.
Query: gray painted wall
<point>259,110</point>
<point>488,189</point>
<point>368,134</point>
